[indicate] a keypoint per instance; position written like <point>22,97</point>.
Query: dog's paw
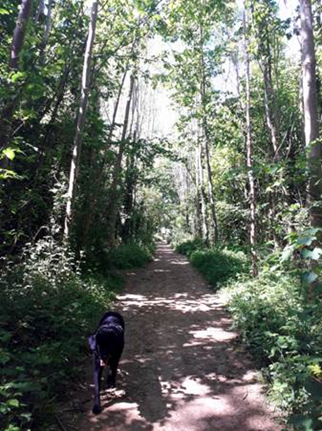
<point>96,410</point>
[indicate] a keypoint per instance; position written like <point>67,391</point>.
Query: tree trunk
<point>47,29</point>
<point>19,34</point>
<point>98,180</point>
<point>273,130</point>
<point>249,154</point>
<point>113,195</point>
<point>81,117</point>
<point>15,50</point>
<point>311,130</point>
<point>198,218</point>
<point>203,89</point>
<point>205,228</point>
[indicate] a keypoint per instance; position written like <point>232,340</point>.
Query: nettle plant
<point>50,260</point>
<point>306,245</point>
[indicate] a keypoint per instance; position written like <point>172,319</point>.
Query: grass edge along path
<point>279,327</point>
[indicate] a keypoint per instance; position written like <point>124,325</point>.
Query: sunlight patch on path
<point>182,369</point>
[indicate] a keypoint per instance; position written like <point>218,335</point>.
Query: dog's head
<point>99,343</point>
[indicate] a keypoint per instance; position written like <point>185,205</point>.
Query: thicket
<point>218,265</point>
<point>281,329</point>
<point>48,308</point>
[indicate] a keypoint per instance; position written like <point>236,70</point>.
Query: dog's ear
<point>92,342</point>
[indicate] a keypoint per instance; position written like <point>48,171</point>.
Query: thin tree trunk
<point>93,198</point>
<point>47,28</point>
<point>113,194</point>
<point>205,228</point>
<point>40,12</point>
<point>203,86</point>
<point>272,127</point>
<point>81,117</point>
<point>198,223</point>
<point>249,154</point>
<point>211,194</point>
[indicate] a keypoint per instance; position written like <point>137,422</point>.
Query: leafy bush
<point>219,265</point>
<point>127,256</point>
<point>47,309</point>
<point>189,247</point>
<point>284,333</point>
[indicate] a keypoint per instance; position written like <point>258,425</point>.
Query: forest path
<point>182,367</point>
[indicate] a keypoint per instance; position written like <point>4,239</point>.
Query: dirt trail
<point>182,368</point>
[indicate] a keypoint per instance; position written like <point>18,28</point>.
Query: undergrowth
<point>284,333</point>
<point>47,310</point>
<point>126,256</point>
<point>218,264</point>
<point>278,325</point>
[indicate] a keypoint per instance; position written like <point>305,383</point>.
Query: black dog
<point>107,345</point>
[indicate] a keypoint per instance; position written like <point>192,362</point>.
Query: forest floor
<point>183,367</point>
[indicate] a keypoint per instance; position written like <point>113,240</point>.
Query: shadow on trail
<point>182,368</point>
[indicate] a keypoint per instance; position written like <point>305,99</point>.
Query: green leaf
<point>306,254</point>
<point>13,403</point>
<point>4,11</point>
<point>9,153</point>
<point>306,240</point>
<point>17,76</point>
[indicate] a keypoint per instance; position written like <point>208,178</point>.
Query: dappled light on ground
<point>182,368</point>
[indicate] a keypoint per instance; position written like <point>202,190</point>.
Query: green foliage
<point>218,264</point>
<point>188,247</point>
<point>283,332</point>
<point>47,309</point>
<point>127,256</point>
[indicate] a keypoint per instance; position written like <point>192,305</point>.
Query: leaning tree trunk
<point>81,117</point>
<point>249,154</point>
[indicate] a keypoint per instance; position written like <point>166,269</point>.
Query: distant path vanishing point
<point>182,367</point>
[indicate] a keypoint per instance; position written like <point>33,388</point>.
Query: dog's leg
<point>97,384</point>
<point>111,378</point>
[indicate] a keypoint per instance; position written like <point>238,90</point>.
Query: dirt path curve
<point>182,368</point>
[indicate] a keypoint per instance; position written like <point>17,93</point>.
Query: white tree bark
<point>81,117</point>
<point>249,153</point>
